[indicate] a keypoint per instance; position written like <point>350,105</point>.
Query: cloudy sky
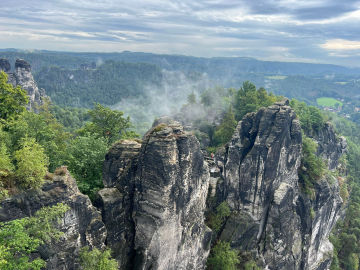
<point>321,31</point>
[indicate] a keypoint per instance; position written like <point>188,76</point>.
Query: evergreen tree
<point>225,130</point>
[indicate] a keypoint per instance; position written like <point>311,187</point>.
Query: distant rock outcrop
<point>82,224</point>
<point>22,76</point>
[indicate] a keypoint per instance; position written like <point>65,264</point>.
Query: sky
<point>319,31</point>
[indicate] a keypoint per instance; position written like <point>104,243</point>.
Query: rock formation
<point>82,224</point>
<point>22,76</point>
<point>272,217</point>
<point>153,203</point>
<point>159,199</point>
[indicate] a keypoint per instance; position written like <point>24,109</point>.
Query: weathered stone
<point>5,65</point>
<point>22,64</point>
<point>271,217</point>
<point>155,215</point>
<point>118,160</point>
<point>171,181</point>
<point>82,224</point>
<point>330,147</point>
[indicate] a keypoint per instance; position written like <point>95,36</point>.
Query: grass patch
<point>276,77</point>
<point>328,102</point>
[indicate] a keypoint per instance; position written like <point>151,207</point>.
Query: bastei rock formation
<point>151,211</point>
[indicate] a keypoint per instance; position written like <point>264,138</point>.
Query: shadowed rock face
<point>272,218</point>
<point>82,224</point>
<point>22,76</point>
<point>22,64</point>
<point>159,202</point>
<point>5,65</point>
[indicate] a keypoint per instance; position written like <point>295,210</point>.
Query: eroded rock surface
<point>82,224</point>
<point>272,218</point>
<point>159,202</point>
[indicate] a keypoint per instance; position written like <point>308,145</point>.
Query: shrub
<point>222,257</point>
<point>97,260</point>
<point>216,220</point>
<point>31,164</point>
<point>312,167</point>
<point>19,238</point>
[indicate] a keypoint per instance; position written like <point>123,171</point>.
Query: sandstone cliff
<point>272,218</point>
<point>160,194</point>
<point>22,76</point>
<point>154,200</point>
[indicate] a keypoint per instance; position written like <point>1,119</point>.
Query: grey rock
<point>82,224</point>
<point>22,64</point>
<point>5,65</point>
<point>23,77</point>
<point>272,219</point>
<point>155,213</point>
<point>118,160</point>
<point>330,147</point>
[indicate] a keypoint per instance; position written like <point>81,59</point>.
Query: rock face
<point>272,218</point>
<point>159,200</point>
<point>22,76</point>
<point>82,224</point>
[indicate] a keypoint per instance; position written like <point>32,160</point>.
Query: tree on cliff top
<point>108,124</point>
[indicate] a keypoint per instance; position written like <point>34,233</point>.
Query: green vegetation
<point>217,219</point>
<point>108,124</point>
<point>31,163</point>
<point>311,118</point>
<point>329,102</point>
<point>97,260</point>
<point>312,167</point>
<point>225,130</point>
<point>33,143</point>
<point>107,84</point>
<point>249,99</point>
<point>21,237</point>
<point>85,160</point>
<point>222,257</point>
<point>12,100</point>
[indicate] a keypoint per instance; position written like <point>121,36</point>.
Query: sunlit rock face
<point>272,218</point>
<point>160,200</point>
<point>23,77</point>
<point>82,224</point>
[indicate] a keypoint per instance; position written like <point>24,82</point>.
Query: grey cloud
<point>187,27</point>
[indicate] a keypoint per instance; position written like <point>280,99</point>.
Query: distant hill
<point>216,67</point>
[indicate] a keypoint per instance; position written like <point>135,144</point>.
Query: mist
<point>164,100</point>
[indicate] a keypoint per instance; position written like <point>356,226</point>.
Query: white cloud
<point>341,45</point>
